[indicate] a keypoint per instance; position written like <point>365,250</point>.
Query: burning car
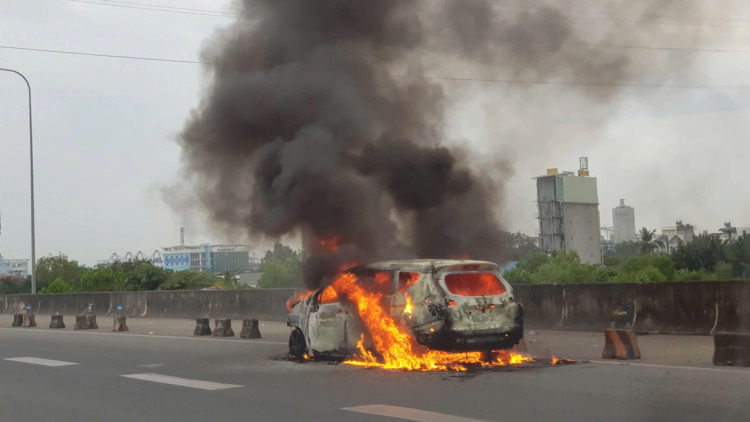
<point>447,305</point>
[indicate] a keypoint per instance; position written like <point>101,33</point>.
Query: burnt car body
<point>456,305</point>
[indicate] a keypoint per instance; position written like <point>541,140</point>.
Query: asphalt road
<point>128,377</point>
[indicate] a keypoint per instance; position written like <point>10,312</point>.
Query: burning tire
<point>297,345</point>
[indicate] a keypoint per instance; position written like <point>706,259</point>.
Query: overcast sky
<point>104,128</point>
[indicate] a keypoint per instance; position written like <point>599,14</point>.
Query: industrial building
<point>14,267</point>
<point>623,222</point>
<point>207,257</point>
<point>568,212</point>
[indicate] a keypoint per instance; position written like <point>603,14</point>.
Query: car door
<point>327,324</point>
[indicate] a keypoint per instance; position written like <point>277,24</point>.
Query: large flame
<point>297,298</point>
<point>395,346</point>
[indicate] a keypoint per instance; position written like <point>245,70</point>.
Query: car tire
<point>297,345</point>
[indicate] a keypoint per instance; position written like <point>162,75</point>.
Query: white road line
<point>201,338</point>
<point>408,413</point>
<point>691,368</point>
<point>40,361</point>
<point>183,382</point>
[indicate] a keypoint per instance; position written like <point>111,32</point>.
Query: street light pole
<point>31,166</point>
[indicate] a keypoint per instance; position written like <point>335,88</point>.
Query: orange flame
<point>330,243</point>
<point>407,308</point>
<point>297,298</point>
<point>396,348</point>
<point>554,360</point>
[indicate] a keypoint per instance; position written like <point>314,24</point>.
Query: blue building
<point>14,267</point>
<point>207,257</point>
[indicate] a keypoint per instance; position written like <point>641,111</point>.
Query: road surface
<point>78,376</point>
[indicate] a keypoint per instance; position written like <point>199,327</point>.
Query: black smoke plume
<point>314,123</point>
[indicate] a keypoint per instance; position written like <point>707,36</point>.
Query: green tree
<point>622,252</point>
<point>704,252</point>
<point>189,280</point>
<point>648,243</point>
<point>104,279</point>
<point>564,267</point>
<point>519,245</point>
<point>142,275</point>
<point>57,286</point>
<point>50,268</point>
<point>281,253</point>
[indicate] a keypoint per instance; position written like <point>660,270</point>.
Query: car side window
<point>378,281</point>
<point>407,279</point>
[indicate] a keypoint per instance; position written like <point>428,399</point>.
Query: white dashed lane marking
<point>408,413</point>
<point>182,382</point>
<point>40,361</point>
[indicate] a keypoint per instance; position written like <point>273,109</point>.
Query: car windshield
<point>474,284</point>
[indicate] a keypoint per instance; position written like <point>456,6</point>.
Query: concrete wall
<point>673,308</point>
<point>267,304</point>
<point>670,308</point>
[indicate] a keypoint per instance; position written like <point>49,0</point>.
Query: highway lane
<point>121,377</point>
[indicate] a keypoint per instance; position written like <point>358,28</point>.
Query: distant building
<point>672,237</point>
<point>568,212</point>
<point>206,257</point>
<point>623,222</point>
<point>14,267</point>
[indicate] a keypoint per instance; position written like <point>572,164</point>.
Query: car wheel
<point>297,345</point>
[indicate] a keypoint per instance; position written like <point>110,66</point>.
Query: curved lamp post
<point>31,160</point>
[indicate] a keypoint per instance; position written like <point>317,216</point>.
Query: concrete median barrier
<point>17,320</point>
<point>250,328</point>
<point>223,327</point>
<point>57,322</point>
<point>120,323</point>
<point>86,322</point>
<point>620,344</point>
<point>732,349</point>
<point>29,320</point>
<point>202,327</point>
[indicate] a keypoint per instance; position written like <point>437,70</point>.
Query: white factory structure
<point>623,222</point>
<point>568,212</point>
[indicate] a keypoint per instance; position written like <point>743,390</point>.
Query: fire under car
<point>455,305</point>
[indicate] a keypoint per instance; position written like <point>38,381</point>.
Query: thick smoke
<point>313,123</point>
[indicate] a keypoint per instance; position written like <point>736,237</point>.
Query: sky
<point>105,128</point>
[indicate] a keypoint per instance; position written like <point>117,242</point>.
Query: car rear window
<point>474,284</point>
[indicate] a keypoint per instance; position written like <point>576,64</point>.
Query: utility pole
<point>31,167</point>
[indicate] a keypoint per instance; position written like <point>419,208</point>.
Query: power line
<point>632,15</point>
<point>158,9</point>
<point>442,78</point>
<point>167,7</point>
<point>573,83</point>
<point>111,56</point>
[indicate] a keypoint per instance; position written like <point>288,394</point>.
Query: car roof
<point>424,264</point>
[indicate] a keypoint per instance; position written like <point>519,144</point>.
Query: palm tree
<point>648,243</point>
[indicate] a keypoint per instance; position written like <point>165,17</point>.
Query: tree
<point>281,253</point>
<point>189,280</point>
<point>519,245</point>
<point>648,243</point>
<point>57,286</point>
<point>281,267</point>
<point>104,279</point>
<point>50,268</point>
<point>622,252</point>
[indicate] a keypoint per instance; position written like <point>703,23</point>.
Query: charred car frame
<point>448,305</point>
